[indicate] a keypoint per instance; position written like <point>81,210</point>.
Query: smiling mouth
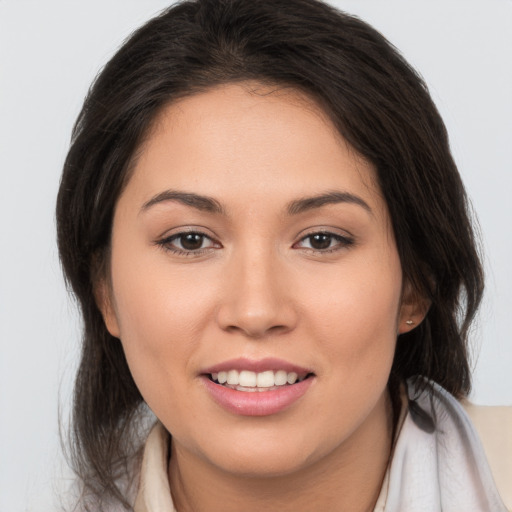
<point>251,382</point>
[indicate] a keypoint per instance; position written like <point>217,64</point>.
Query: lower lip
<point>258,403</point>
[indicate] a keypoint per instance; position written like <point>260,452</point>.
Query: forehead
<point>252,139</point>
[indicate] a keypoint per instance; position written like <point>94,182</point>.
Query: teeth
<point>281,378</point>
<point>292,378</point>
<point>233,378</point>
<point>265,379</point>
<point>247,379</point>
<point>250,381</point>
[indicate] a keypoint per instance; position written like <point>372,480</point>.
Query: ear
<point>413,309</point>
<point>104,301</point>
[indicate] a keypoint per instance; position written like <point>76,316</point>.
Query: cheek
<point>156,301</point>
<point>355,329</point>
<point>355,317</point>
<point>161,315</point>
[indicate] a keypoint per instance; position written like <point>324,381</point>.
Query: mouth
<point>257,388</point>
<point>257,382</point>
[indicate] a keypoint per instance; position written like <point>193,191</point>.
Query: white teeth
<point>247,379</point>
<point>281,378</point>
<point>265,379</point>
<point>233,378</point>
<point>252,381</point>
<point>292,378</point>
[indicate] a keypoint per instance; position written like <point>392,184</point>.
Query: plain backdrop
<point>49,53</point>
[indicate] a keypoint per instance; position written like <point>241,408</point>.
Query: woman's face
<point>252,244</point>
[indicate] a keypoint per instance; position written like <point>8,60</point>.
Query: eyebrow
<point>310,203</point>
<point>210,205</point>
<point>203,203</point>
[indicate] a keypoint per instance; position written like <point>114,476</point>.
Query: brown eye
<point>191,241</point>
<point>320,241</point>
<point>188,243</point>
<point>324,242</point>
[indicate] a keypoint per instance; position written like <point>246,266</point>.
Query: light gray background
<point>49,53</point>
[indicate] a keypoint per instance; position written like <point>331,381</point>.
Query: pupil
<point>320,241</point>
<point>192,241</point>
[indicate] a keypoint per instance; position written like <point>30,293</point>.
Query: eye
<point>188,243</point>
<point>324,242</point>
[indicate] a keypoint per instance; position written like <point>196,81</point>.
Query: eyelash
<point>343,242</point>
<point>166,243</point>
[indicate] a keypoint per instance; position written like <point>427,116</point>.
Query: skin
<point>257,288</point>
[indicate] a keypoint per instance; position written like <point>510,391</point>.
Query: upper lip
<point>257,366</point>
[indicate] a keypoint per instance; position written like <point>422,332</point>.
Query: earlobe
<point>413,309</point>
<point>103,296</point>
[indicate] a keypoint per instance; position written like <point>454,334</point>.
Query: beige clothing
<point>494,425</point>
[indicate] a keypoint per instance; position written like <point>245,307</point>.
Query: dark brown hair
<point>378,103</point>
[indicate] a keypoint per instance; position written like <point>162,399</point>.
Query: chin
<point>263,465</point>
<point>264,456</point>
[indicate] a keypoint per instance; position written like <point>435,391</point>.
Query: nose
<point>257,301</point>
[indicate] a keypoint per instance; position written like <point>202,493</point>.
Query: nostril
<point>256,310</point>
<point>255,331</point>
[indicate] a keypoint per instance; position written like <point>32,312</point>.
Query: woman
<point>269,240</point>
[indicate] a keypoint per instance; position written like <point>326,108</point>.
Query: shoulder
<point>483,433</point>
<point>438,462</point>
<point>494,427</point>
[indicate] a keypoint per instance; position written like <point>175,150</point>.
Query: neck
<point>348,478</point>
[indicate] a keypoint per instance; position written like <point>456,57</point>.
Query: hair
<point>377,102</point>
